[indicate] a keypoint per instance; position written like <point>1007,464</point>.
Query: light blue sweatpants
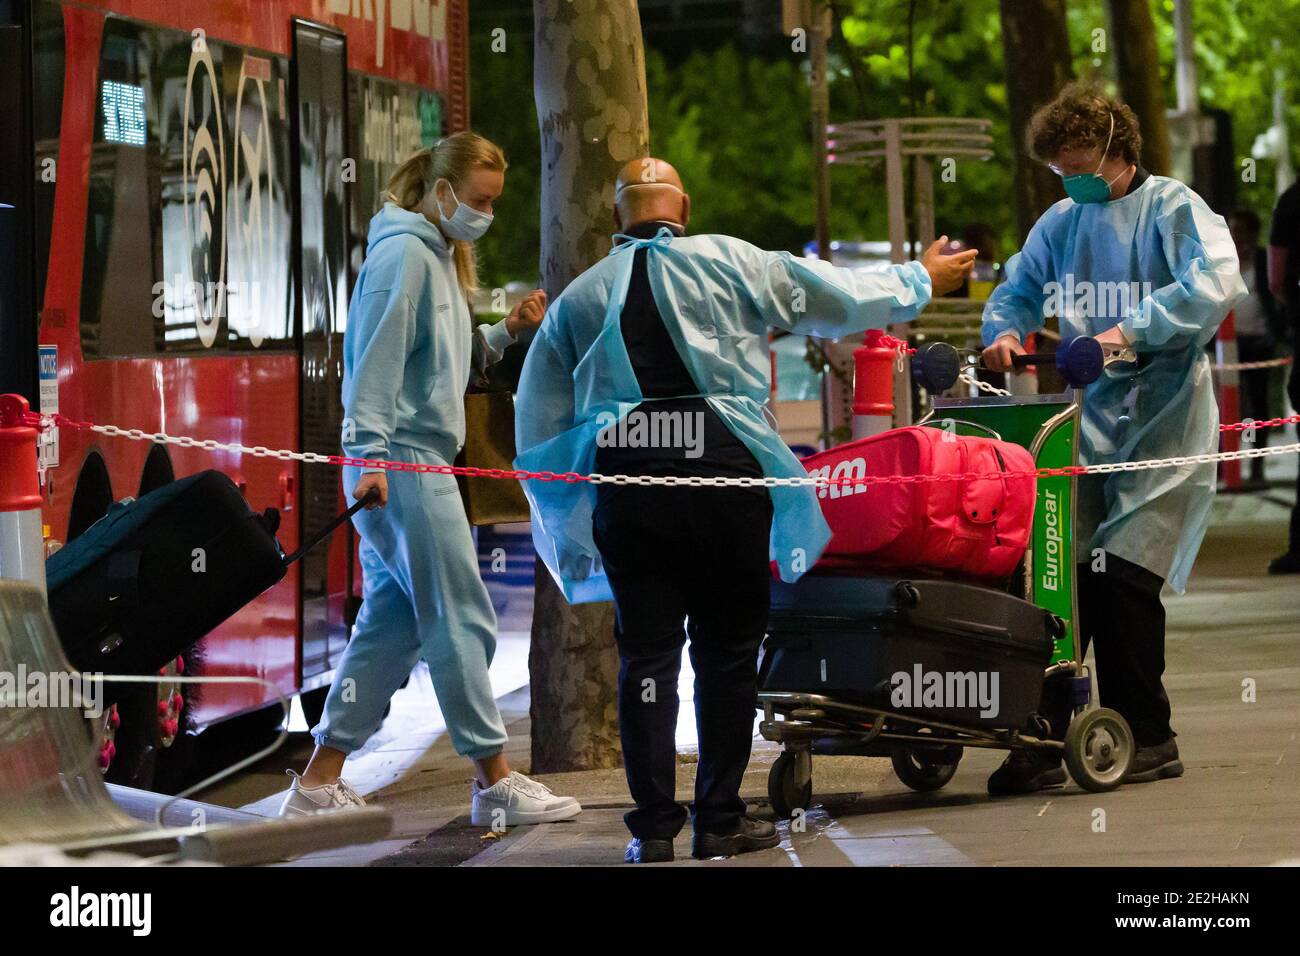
<point>422,596</point>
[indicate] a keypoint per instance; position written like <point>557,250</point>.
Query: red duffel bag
<point>975,528</point>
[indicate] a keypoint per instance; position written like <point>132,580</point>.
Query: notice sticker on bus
<point>258,68</point>
<point>48,374</point>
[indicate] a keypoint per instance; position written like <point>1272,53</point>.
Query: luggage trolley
<point>815,702</point>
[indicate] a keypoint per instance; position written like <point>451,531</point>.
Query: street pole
<point>818,22</point>
<point>1185,58</point>
<point>1285,171</point>
<point>818,28</point>
<point>1183,147</point>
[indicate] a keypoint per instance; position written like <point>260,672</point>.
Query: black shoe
<point>1155,763</point>
<point>648,851</point>
<point>1288,563</point>
<point>1025,771</point>
<point>750,835</point>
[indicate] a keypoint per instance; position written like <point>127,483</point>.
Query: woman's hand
<point>527,314</point>
<point>376,480</point>
<point>997,357</point>
<point>947,273</point>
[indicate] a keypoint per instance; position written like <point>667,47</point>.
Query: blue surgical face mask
<point>1091,187</point>
<point>466,223</point>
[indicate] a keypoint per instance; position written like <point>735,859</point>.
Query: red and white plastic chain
<point>968,376</point>
<point>817,481</point>
<point>1246,366</point>
<point>900,346</point>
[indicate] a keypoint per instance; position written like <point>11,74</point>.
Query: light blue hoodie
<point>408,349</point>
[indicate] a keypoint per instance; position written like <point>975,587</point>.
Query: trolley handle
<point>334,522</point>
<point>1033,358</point>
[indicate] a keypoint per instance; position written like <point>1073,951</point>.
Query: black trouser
<point>1293,393</point>
<point>1121,616</point>
<point>1294,538</point>
<point>675,555</point>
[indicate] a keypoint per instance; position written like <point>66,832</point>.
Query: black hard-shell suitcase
<point>157,573</point>
<point>849,639</point>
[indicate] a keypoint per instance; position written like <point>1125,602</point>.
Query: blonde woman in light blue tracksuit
<point>407,359</point>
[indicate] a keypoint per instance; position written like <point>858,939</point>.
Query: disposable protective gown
<point>1162,266</point>
<point>718,297</point>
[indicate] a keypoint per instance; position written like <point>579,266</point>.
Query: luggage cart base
<point>1098,746</point>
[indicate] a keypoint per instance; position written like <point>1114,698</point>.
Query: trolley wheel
<point>789,783</point>
<point>1098,749</point>
<point>925,768</point>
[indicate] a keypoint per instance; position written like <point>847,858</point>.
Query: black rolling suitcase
<point>157,573</point>
<point>848,637</point>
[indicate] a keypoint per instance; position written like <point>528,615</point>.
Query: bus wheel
<point>177,732</point>
<point>104,732</point>
<point>92,496</point>
<point>313,704</point>
<point>152,740</point>
<point>134,754</point>
<point>157,471</point>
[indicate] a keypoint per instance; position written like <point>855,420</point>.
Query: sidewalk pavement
<point>1236,804</point>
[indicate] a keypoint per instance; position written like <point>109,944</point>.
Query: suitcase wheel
<point>907,594</point>
<point>925,768</point>
<point>789,783</point>
<point>1098,749</point>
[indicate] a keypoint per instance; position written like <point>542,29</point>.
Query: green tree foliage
<point>736,125</point>
<point>737,130</point>
<point>1236,58</point>
<point>956,71</point>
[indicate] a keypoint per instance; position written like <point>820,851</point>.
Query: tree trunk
<point>589,82</point>
<point>1036,60</point>
<point>1137,64</point>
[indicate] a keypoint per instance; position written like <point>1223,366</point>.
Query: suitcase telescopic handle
<point>334,522</point>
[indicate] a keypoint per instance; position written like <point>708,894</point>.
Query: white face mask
<point>466,223</point>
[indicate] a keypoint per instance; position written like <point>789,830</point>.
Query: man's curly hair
<point>1079,118</point>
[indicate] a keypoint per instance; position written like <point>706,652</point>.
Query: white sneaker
<point>517,801</point>
<point>330,796</point>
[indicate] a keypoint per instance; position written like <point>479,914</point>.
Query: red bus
<point>190,184</point>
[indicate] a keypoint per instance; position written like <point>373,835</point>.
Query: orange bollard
<point>22,547</point>
<point>873,385</point>
<point>1225,352</point>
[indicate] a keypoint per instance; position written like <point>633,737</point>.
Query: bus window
<point>259,304</point>
<point>390,121</point>
<point>121,249</point>
<point>48,60</point>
